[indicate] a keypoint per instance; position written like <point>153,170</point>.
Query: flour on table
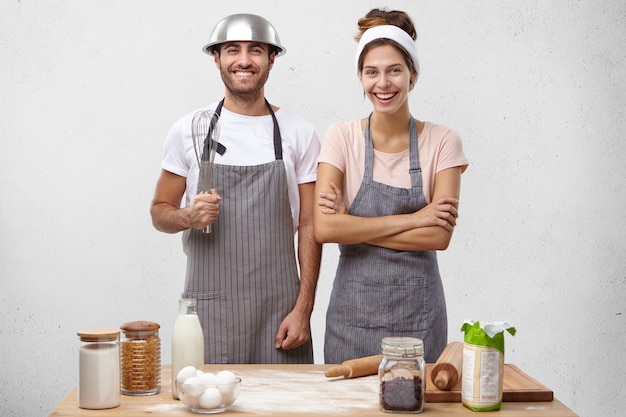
<point>267,392</point>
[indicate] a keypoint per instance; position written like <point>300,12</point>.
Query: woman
<point>388,189</point>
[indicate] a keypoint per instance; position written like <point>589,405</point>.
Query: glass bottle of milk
<point>187,340</point>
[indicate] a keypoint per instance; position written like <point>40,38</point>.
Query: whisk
<point>205,137</point>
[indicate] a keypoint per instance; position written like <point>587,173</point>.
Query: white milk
<point>99,379</point>
<point>187,346</point>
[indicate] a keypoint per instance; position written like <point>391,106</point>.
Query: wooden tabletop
<point>294,390</point>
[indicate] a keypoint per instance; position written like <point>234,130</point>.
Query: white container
<point>187,340</point>
<point>483,365</point>
<point>483,376</point>
<point>99,369</point>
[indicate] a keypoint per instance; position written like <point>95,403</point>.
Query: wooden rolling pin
<point>355,368</point>
<point>449,367</point>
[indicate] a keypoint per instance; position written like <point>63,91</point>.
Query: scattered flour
<point>267,392</point>
<point>164,408</point>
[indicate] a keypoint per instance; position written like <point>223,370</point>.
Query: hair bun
<point>380,17</point>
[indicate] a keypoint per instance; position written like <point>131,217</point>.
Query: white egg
<point>210,398</point>
<point>228,397</point>
<point>193,387</point>
<point>226,377</point>
<point>185,373</point>
<point>209,379</point>
<point>199,372</point>
<point>226,381</point>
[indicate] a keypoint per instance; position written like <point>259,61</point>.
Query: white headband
<point>388,32</point>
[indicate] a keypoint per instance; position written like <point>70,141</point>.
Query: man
<point>244,274</point>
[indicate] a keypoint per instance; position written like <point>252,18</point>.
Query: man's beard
<point>248,92</point>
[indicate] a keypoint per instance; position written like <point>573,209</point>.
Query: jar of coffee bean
<point>402,375</point>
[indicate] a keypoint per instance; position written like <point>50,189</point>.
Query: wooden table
<point>295,391</point>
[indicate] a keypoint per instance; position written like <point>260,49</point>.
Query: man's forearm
<point>169,219</point>
<point>309,256</point>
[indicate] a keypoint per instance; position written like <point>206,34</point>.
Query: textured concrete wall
<point>535,89</point>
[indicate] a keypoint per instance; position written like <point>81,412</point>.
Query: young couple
<point>385,188</point>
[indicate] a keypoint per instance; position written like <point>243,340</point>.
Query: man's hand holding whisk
<point>205,209</point>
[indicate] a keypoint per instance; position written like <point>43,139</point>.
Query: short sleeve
<point>333,149</point>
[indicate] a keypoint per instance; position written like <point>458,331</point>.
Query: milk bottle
<point>187,340</point>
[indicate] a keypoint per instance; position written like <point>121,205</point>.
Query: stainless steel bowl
<point>244,27</point>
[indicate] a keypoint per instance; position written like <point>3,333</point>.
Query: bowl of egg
<point>207,392</point>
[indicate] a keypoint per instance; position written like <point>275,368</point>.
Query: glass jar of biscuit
<point>140,358</point>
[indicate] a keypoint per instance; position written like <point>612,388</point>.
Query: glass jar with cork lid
<point>140,357</point>
<point>99,369</point>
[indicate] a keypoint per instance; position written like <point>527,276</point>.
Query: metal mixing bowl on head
<point>244,27</point>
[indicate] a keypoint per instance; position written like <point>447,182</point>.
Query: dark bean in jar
<point>402,394</point>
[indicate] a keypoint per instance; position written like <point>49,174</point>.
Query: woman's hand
<point>443,212</point>
<point>332,203</point>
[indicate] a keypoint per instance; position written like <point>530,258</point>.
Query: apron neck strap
<point>415,170</point>
<point>278,145</point>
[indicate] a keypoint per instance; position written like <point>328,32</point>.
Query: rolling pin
<point>355,368</point>
<point>449,367</point>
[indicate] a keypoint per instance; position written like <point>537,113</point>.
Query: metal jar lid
<point>244,27</point>
<point>404,347</point>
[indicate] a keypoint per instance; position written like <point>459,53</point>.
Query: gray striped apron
<point>379,292</point>
<point>244,273</point>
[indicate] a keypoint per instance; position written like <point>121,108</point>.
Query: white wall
<point>535,88</point>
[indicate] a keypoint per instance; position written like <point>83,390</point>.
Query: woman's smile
<point>386,78</point>
<point>385,96</point>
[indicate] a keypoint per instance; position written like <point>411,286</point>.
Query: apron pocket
<point>209,295</point>
<point>214,317</point>
<point>398,305</point>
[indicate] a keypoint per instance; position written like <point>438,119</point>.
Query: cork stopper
<point>140,328</point>
<point>98,335</point>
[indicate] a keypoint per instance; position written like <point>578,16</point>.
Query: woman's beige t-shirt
<point>344,147</point>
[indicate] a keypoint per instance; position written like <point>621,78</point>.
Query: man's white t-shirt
<point>248,141</point>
